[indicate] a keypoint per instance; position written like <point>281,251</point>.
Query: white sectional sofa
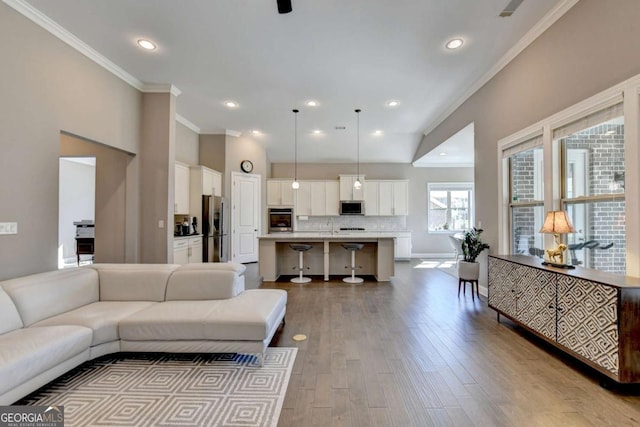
<point>52,322</point>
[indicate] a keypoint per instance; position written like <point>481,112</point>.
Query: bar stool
<point>353,247</point>
<point>300,248</point>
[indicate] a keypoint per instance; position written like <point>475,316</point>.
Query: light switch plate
<point>8,228</point>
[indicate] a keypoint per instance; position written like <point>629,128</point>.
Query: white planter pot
<point>468,270</point>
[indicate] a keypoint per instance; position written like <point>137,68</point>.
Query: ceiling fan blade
<point>284,6</point>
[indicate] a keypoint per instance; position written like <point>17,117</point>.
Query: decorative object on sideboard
<point>556,223</point>
<point>295,184</point>
<point>357,184</point>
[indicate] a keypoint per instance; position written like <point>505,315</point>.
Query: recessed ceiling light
<point>443,153</point>
<point>455,43</point>
<point>256,132</point>
<point>377,132</point>
<point>393,103</point>
<point>317,131</point>
<point>146,44</point>
<point>312,103</point>
<point>230,104</point>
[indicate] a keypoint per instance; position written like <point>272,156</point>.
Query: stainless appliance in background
<point>280,220</point>
<point>214,229</point>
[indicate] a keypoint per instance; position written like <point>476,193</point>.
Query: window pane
<point>459,219</point>
<point>438,200</point>
<point>525,225</point>
<point>594,160</point>
<point>599,241</point>
<point>438,219</point>
<point>526,176</point>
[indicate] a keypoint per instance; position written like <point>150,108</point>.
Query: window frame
<point>449,187</point>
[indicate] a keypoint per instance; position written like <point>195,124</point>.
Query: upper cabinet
<point>279,192</point>
<point>347,190</point>
<point>317,198</point>
<point>206,181</point>
<point>181,189</point>
<point>386,197</point>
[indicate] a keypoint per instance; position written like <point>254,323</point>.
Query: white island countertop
<point>328,235</point>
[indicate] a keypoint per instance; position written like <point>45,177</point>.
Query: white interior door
<point>245,217</point>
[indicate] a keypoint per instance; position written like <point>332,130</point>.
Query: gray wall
<point>111,217</point>
<point>418,180</point>
<point>591,48</point>
<point>187,145</point>
<point>48,87</point>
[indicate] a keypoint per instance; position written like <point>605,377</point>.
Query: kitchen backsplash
<point>369,223</point>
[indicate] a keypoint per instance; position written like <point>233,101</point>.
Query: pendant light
<point>357,184</point>
<point>295,185</point>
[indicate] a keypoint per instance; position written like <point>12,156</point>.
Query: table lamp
<point>556,223</point>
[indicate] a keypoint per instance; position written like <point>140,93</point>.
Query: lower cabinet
<point>187,250</point>
<point>402,247</point>
<point>593,320</point>
<point>181,251</point>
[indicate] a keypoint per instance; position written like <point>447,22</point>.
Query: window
<point>450,206</point>
<point>593,189</point>
<point>526,197</point>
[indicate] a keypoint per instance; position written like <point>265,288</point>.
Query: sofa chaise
<point>52,322</point>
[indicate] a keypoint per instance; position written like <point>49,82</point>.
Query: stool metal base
<point>353,280</point>
<point>300,280</point>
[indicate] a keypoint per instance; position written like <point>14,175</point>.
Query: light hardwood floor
<point>411,353</point>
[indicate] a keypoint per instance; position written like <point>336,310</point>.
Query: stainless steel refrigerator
<point>214,229</point>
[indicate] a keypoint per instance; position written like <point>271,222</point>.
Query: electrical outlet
<point>8,228</point>
<point>160,224</point>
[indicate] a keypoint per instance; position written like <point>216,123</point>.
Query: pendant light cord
<point>358,145</point>
<point>295,142</point>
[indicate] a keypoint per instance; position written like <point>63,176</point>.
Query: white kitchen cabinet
<point>347,191</point>
<point>181,251</point>
<point>317,196</point>
<point>302,198</point>
<point>393,197</point>
<point>195,250</point>
<point>332,198</point>
<point>280,192</point>
<point>187,250</point>
<point>202,181</point>
<point>207,181</point>
<point>371,198</point>
<point>403,246</point>
<point>181,189</point>
<point>401,198</point>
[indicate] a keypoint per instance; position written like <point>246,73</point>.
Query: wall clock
<point>246,166</point>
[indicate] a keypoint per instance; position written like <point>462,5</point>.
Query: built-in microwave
<point>351,207</point>
<point>280,220</point>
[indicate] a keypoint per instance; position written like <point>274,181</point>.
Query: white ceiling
<point>457,151</point>
<point>343,54</point>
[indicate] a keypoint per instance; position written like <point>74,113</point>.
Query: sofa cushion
<point>101,317</point>
<point>44,295</point>
<point>203,284</point>
<point>26,353</point>
<point>9,317</point>
<point>133,282</point>
<point>223,266</point>
<point>247,317</point>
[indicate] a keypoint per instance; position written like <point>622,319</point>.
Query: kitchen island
<point>327,256</point>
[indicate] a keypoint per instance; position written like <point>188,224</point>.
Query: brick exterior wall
<point>605,221</point>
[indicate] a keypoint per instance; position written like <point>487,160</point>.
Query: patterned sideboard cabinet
<point>592,315</point>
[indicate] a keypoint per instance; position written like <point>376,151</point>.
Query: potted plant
<point>472,247</point>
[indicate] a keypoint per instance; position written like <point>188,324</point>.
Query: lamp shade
<point>557,222</point>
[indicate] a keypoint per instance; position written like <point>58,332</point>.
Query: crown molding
<point>549,19</point>
<point>54,28</point>
<point>228,132</point>
<point>180,119</point>
<point>160,88</point>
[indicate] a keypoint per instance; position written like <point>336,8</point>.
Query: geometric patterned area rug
<point>158,389</point>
